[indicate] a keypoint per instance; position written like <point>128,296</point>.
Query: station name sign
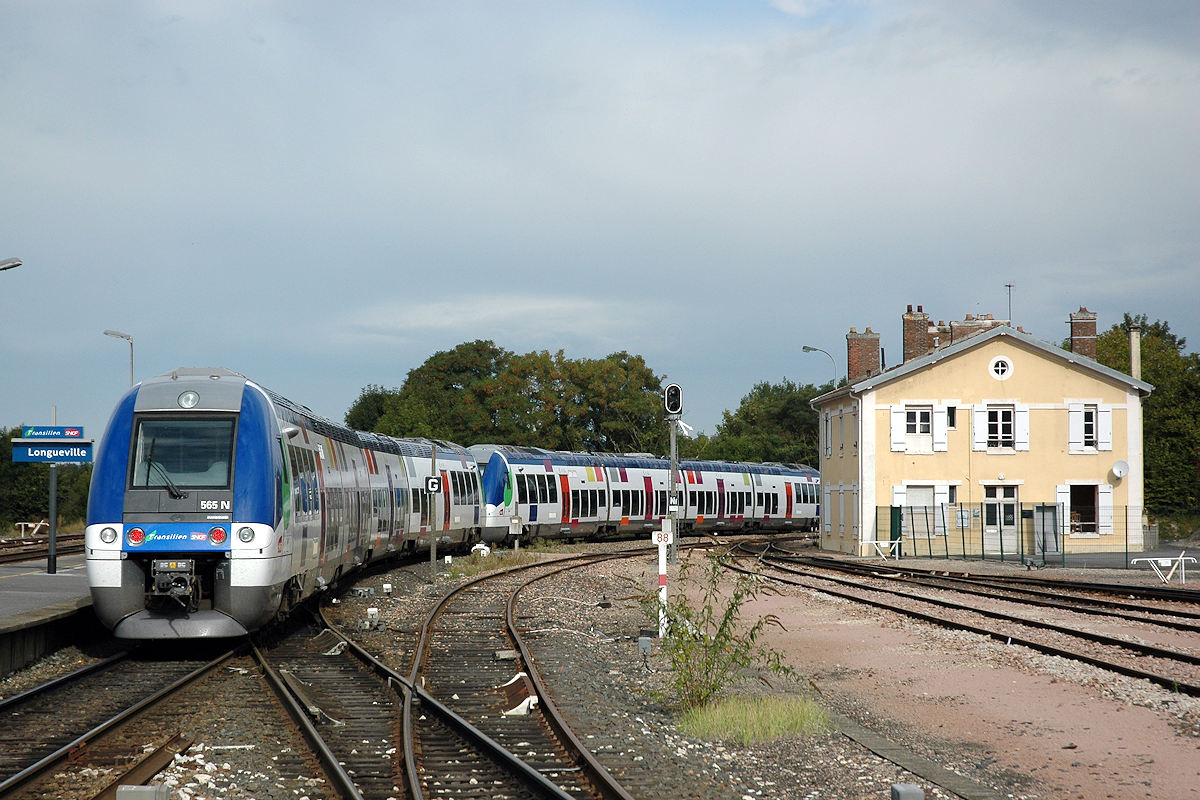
<point>51,444</point>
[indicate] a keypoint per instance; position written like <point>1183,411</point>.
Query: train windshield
<point>179,454</point>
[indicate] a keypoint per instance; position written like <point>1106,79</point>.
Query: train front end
<point>183,536</point>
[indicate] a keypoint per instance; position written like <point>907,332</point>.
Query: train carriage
<point>216,505</point>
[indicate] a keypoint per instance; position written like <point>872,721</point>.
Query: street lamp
<point>129,339</point>
<point>10,263</point>
<point>808,349</point>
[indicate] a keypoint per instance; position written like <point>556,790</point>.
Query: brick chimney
<point>917,341</point>
<point>862,354</point>
<point>1083,333</point>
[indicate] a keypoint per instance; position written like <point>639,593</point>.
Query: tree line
<point>479,392</point>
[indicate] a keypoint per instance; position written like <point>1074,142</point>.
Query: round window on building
<point>1001,368</point>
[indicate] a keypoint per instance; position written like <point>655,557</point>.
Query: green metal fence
<point>1042,533</point>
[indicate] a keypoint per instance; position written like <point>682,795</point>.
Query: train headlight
<point>218,535</point>
<point>135,536</point>
<point>188,399</point>
<point>246,535</point>
<point>108,535</point>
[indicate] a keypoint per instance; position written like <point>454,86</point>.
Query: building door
<point>1000,516</point>
<point>1045,531</point>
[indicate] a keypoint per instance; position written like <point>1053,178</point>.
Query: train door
<point>321,501</point>
<point>1000,519</point>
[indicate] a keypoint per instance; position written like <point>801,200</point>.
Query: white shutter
<point>898,429</point>
<point>1075,427</point>
<point>1104,437</point>
<point>825,511</point>
<point>1021,426</point>
<point>941,502</point>
<point>939,429</point>
<point>1062,497</point>
<point>1104,520</point>
<point>899,496</point>
<point>979,427</point>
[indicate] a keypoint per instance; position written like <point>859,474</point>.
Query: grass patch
<point>755,720</point>
<point>474,564</point>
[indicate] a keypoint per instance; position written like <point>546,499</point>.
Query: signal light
<point>673,398</point>
<point>217,535</point>
<point>135,536</point>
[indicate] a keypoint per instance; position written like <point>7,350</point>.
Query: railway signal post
<point>673,403</point>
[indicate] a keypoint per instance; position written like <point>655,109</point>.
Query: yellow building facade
<point>997,444</point>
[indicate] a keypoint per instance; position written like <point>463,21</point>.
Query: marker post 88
<point>663,538</point>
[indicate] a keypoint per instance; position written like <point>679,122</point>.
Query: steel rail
<point>42,766</point>
<point>1026,596</point>
<point>601,778</point>
<point>342,783</point>
<point>1145,592</point>
<point>43,688</point>
<point>529,776</point>
<point>1099,638</point>
<point>1167,682</point>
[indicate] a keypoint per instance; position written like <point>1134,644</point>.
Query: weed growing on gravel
<point>474,564</point>
<point>755,720</point>
<point>709,646</point>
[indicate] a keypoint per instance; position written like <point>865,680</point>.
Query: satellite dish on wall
<point>1120,469</point>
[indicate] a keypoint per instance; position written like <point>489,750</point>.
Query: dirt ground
<point>1059,729</point>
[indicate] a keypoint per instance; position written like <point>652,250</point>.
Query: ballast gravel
<point>619,701</point>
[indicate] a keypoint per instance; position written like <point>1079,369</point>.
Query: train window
<point>553,488</point>
<point>544,488</point>
<point>175,453</point>
<point>593,498</point>
<point>575,502</point>
<point>522,490</point>
<point>603,499</point>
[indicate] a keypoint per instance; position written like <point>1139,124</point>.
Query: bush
<point>709,647</point>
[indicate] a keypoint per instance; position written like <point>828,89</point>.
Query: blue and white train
<point>217,505</point>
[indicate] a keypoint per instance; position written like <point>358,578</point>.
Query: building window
<point>1000,429</point>
<point>1090,438</point>
<point>1001,368</point>
<point>951,417</point>
<point>918,420</point>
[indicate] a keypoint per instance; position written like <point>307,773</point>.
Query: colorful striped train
<point>217,505</point>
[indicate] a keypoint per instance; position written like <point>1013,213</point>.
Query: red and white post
<point>663,539</point>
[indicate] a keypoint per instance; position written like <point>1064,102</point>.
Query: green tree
<point>773,423</point>
<point>371,404</point>
<point>1170,415</point>
<point>479,392</point>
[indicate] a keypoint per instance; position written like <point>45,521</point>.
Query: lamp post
<point>128,338</point>
<point>808,349</point>
<point>10,263</point>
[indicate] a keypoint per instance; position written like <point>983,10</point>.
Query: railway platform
<point>40,612</point>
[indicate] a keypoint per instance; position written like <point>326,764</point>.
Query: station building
<point>984,441</point>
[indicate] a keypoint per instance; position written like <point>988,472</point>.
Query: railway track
<point>33,548</point>
<point>1174,669</point>
<point>70,718</point>
<point>440,730</point>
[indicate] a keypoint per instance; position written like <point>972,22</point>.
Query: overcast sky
<point>322,195</point>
